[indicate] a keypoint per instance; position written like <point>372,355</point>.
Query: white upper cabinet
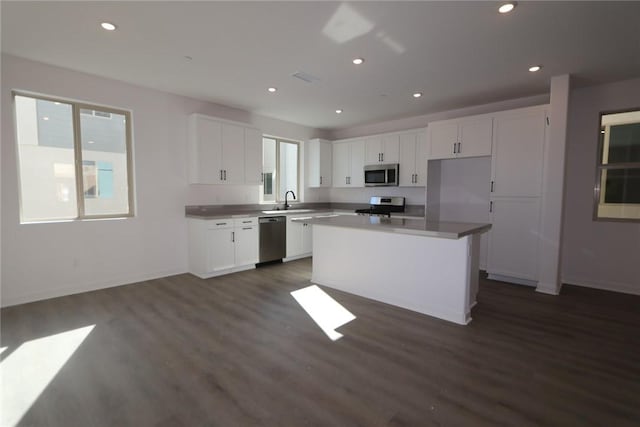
<point>467,137</point>
<point>517,162</point>
<point>382,149</point>
<point>413,159</point>
<point>205,151</point>
<point>320,163</point>
<point>356,178</point>
<point>348,164</point>
<point>252,156</point>
<point>475,137</point>
<point>233,153</point>
<point>222,152</point>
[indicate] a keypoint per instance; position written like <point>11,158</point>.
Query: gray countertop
<point>297,212</point>
<point>412,226</point>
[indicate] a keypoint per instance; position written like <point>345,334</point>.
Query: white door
<point>246,245</point>
<point>513,238</point>
<point>443,137</point>
<point>233,154</point>
<point>252,157</point>
<point>356,174</point>
<point>408,160</point>
<point>391,148</point>
<point>220,249</point>
<point>518,153</point>
<point>325,164</point>
<point>475,137</point>
<point>307,242</point>
<point>421,159</point>
<point>205,150</point>
<point>341,164</point>
<point>294,237</point>
<point>373,150</point>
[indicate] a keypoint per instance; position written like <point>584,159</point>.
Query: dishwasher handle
<point>268,219</point>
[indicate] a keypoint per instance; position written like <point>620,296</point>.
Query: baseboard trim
<point>625,288</point>
<point>514,280</point>
<point>70,290</point>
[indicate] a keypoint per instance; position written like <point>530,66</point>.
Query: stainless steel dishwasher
<point>273,238</point>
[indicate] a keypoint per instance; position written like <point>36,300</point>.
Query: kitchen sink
<point>283,211</point>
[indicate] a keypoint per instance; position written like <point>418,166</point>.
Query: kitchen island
<point>428,267</point>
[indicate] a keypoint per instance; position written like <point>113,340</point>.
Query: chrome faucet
<point>286,203</point>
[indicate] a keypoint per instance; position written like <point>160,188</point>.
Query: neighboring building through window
<point>281,167</point>
<point>74,160</point>
<point>618,184</point>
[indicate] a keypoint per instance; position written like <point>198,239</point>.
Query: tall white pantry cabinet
<point>515,140</point>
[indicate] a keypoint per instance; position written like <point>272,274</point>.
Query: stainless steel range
<point>383,206</point>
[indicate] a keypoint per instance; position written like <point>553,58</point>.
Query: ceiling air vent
<point>305,77</point>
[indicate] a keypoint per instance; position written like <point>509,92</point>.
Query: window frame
<point>276,184</point>
<point>601,167</point>
<point>76,107</point>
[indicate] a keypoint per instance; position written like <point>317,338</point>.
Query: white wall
<point>51,259</point>
<point>596,253</point>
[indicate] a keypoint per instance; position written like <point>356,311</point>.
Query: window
<point>74,160</point>
<point>617,190</point>
<point>280,168</point>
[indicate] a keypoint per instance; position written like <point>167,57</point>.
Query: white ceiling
<point>457,53</point>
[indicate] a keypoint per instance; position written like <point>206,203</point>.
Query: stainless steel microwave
<point>381,175</point>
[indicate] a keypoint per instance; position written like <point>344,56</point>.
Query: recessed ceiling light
<point>535,68</point>
<point>506,8</point>
<point>108,26</point>
<point>338,111</point>
<point>417,94</point>
<point>272,89</point>
<point>45,118</point>
<point>358,61</point>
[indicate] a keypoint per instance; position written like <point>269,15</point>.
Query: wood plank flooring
<point>239,351</point>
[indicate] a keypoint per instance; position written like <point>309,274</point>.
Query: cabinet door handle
<point>246,222</point>
<point>459,147</point>
<point>262,178</point>
<point>246,228</point>
<point>454,148</point>
<point>320,179</point>
<point>233,236</point>
<point>221,223</point>
<point>491,206</point>
<point>382,156</point>
<point>220,174</point>
<point>492,186</point>
<point>225,174</point>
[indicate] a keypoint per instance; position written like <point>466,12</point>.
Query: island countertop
<point>417,227</point>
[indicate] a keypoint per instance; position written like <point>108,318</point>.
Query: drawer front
<point>214,224</point>
<point>245,222</point>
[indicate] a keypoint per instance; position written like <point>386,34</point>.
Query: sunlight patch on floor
<point>26,372</point>
<point>324,310</point>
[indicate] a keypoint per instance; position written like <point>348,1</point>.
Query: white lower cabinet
<point>220,253</point>
<point>299,240</point>
<point>221,246</point>
<point>513,240</point>
<point>246,245</point>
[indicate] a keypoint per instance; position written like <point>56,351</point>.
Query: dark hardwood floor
<point>239,351</point>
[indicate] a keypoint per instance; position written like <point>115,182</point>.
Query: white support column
<point>553,188</point>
